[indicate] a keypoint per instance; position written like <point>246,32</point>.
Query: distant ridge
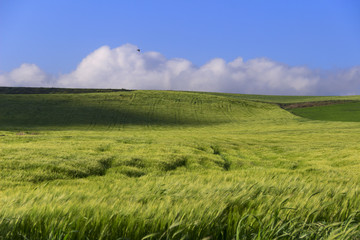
<point>43,90</point>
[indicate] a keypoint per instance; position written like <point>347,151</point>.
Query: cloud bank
<point>125,67</point>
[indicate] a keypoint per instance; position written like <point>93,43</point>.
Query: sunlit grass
<point>178,166</point>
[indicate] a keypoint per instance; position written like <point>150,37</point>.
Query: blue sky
<point>57,35</point>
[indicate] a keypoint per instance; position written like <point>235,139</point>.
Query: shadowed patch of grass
<point>33,90</point>
<point>175,163</point>
<point>112,110</point>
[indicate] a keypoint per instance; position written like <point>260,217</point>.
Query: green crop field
<point>337,112</point>
<point>177,165</point>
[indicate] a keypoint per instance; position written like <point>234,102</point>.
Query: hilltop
<point>116,109</point>
<point>60,107</point>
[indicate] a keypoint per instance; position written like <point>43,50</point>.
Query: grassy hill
<point>113,110</point>
<point>175,165</point>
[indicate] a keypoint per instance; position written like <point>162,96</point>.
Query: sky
<point>259,47</point>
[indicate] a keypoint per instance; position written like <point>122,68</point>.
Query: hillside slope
<point>173,165</point>
<point>117,109</point>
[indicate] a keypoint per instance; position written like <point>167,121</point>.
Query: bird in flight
<point>138,49</point>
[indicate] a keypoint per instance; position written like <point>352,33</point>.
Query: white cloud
<point>125,67</point>
<point>341,82</point>
<point>27,75</point>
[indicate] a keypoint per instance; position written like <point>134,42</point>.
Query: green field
<point>177,165</point>
<point>349,112</point>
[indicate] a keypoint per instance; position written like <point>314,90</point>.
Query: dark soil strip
<point>289,106</point>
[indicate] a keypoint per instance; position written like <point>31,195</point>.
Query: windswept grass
<point>173,165</point>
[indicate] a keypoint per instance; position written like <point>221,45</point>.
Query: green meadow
<point>349,112</point>
<point>177,165</point>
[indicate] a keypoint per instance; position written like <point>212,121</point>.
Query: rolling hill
<point>177,165</point>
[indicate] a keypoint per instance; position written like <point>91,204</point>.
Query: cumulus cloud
<point>125,67</point>
<point>27,75</point>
